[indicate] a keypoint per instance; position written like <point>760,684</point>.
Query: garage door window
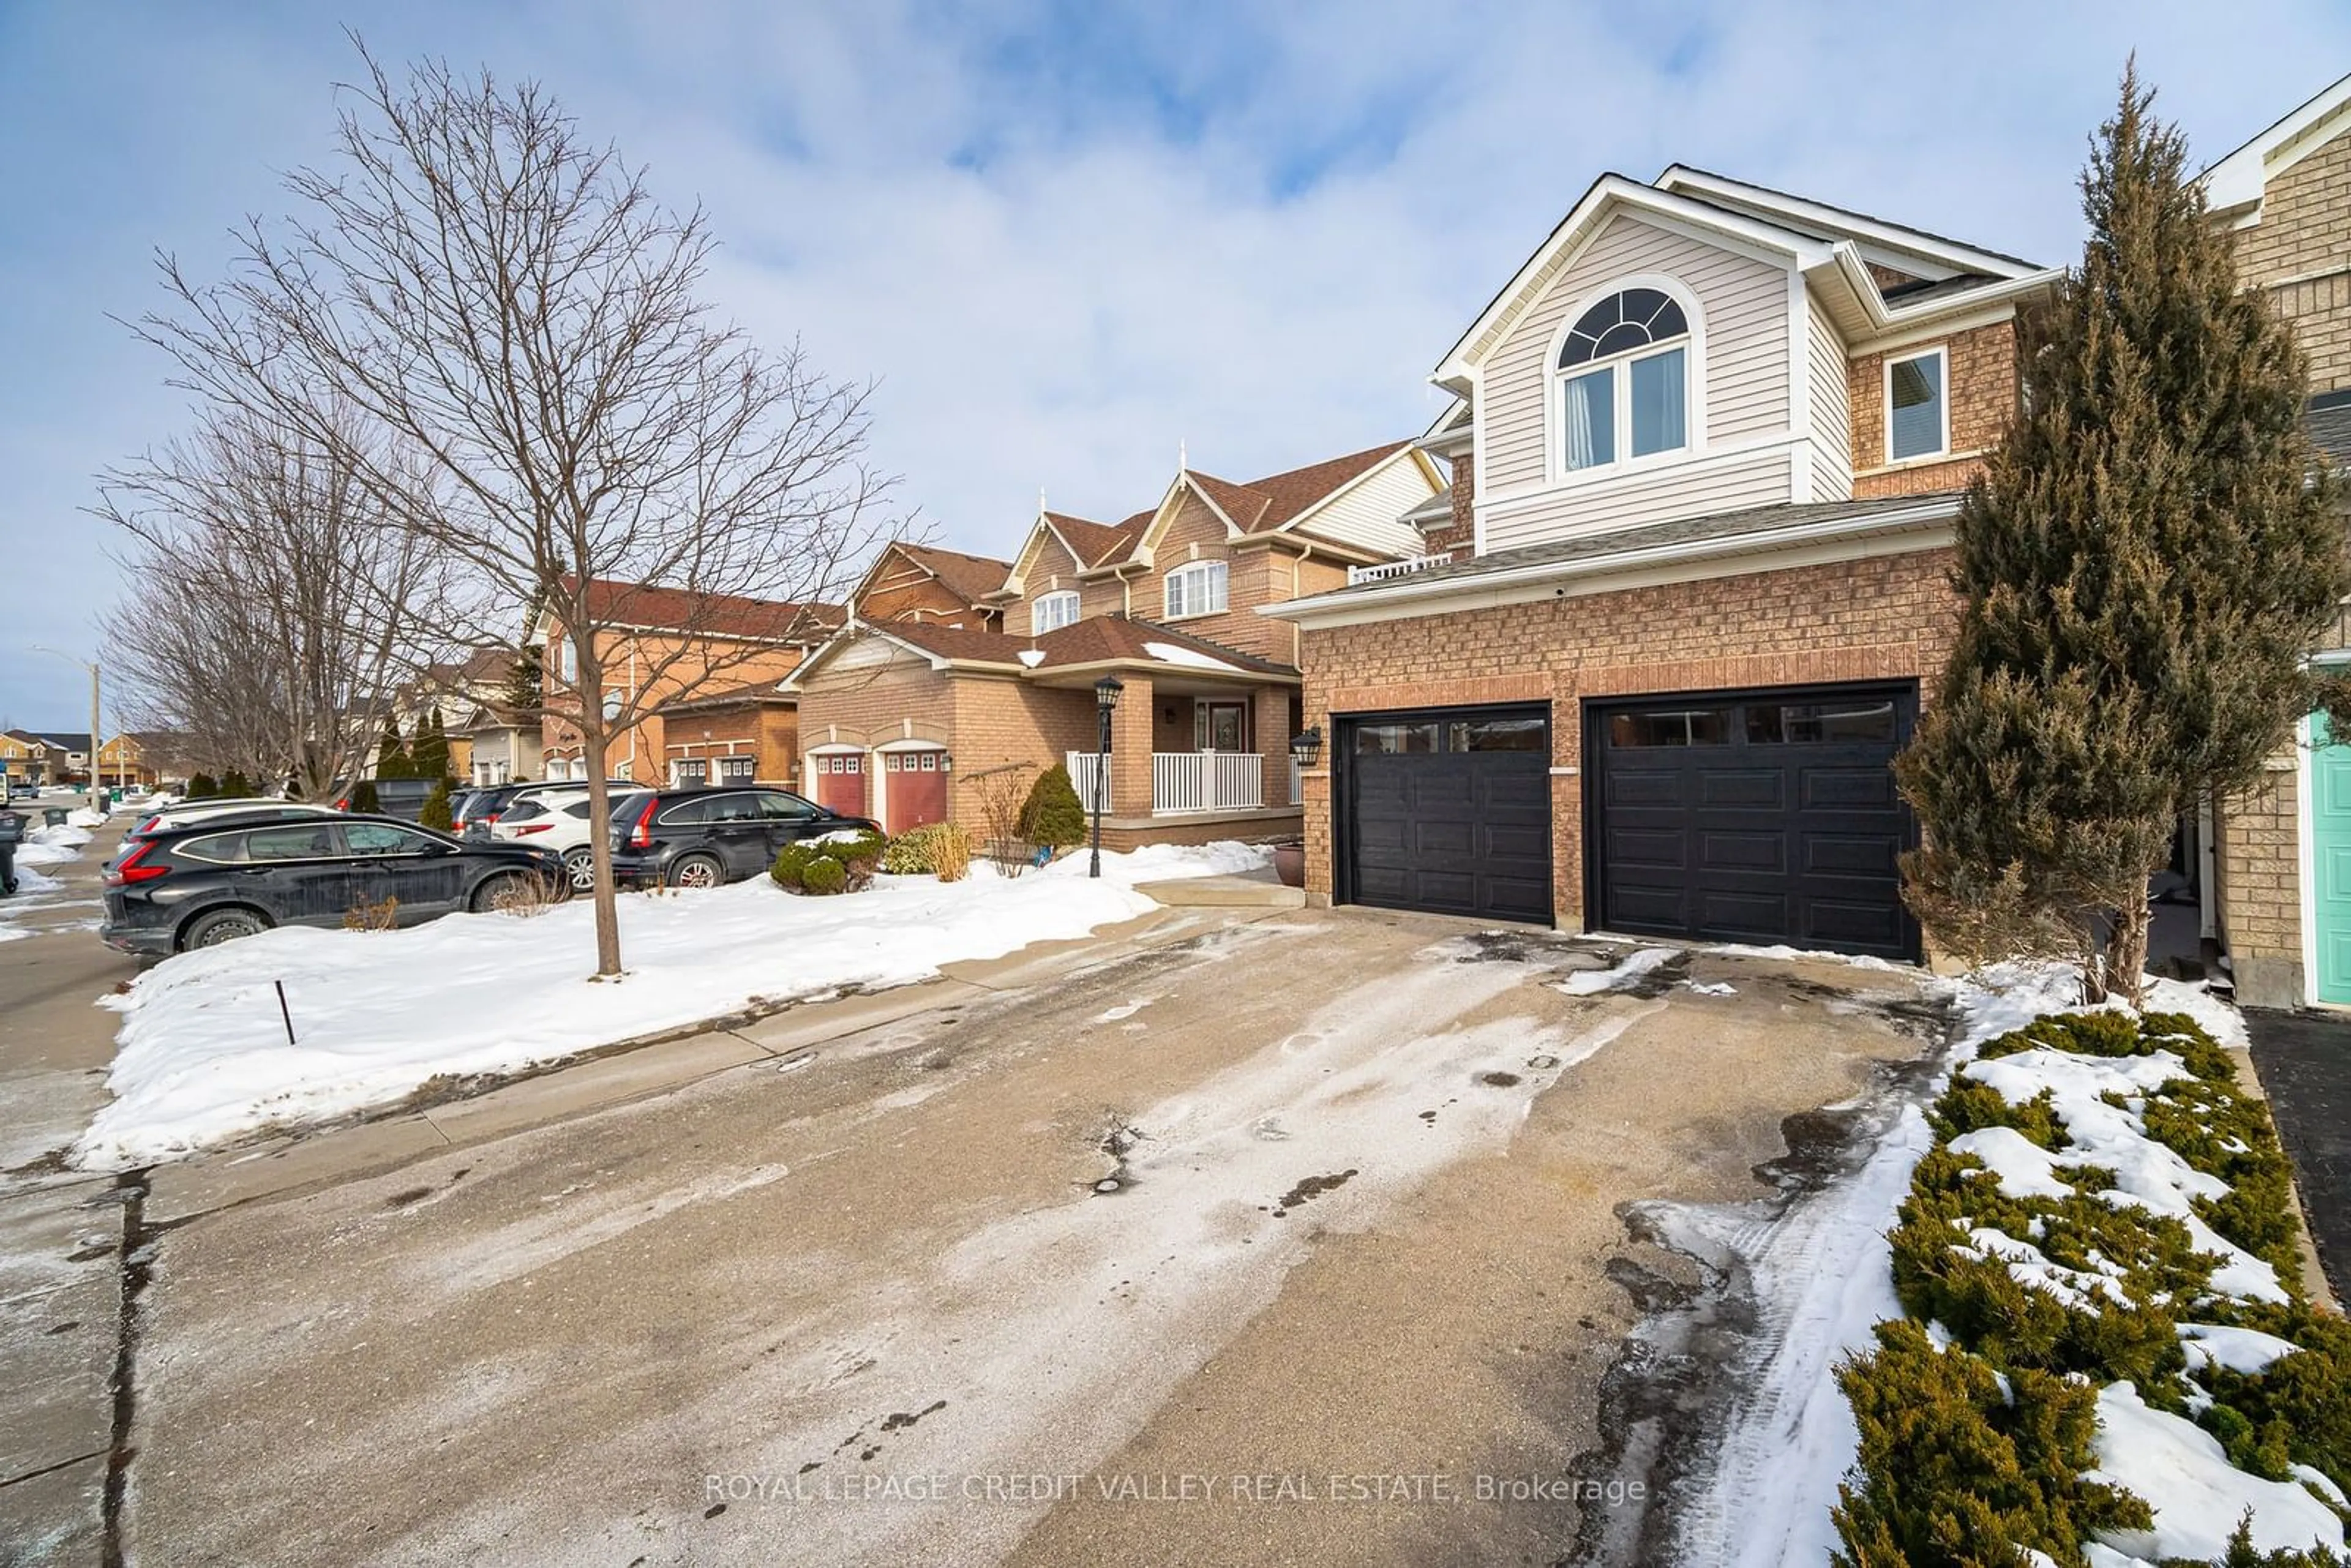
<point>1497,735</point>
<point>1818,724</point>
<point>1671,726</point>
<point>1393,739</point>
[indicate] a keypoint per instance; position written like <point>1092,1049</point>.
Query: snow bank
<point>202,1054</point>
<point>1591,982</point>
<point>2198,1496</point>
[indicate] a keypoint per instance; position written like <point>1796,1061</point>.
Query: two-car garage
<point>1753,817</point>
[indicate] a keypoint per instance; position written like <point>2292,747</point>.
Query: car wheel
<point>579,869</point>
<point>696,870</point>
<point>507,890</point>
<point>221,925</point>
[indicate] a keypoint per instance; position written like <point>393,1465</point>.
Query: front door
<point>1223,727</point>
<point>2330,864</point>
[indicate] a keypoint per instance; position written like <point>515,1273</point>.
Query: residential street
<point>60,1230</point>
<point>978,1271</point>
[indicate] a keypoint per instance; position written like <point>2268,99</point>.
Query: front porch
<point>1220,784</point>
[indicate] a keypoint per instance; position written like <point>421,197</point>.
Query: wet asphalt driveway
<point>1295,1240</point>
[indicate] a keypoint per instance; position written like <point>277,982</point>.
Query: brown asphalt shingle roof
<point>970,578</point>
<point>1098,639</point>
<point>717,614</point>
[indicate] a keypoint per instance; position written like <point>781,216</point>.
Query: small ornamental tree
<point>429,758</point>
<point>2148,557</point>
<point>436,811</point>
<point>236,785</point>
<point>392,756</point>
<point>1053,815</point>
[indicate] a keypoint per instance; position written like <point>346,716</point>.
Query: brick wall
<point>1890,617</point>
<point>2256,848</point>
<point>1982,364</point>
<point>998,719</point>
<point>902,590</point>
<point>767,732</point>
<point>2301,251</point>
<point>1459,534</point>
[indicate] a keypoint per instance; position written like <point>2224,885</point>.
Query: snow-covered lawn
<point>203,1057</point>
<point>1821,1277</point>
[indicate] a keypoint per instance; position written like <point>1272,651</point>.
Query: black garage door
<point>1447,810</point>
<point>1753,817</point>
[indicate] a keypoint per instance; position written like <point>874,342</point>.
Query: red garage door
<point>840,782</point>
<point>917,786</point>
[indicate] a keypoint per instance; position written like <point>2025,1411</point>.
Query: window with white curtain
<point>1196,590</point>
<point>1624,380</point>
<point>1052,612</point>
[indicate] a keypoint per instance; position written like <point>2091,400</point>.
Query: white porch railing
<point>1389,569</point>
<point>1081,766</point>
<point>1189,781</point>
<point>1207,782</point>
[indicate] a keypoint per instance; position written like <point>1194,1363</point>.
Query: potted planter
<point>1289,863</point>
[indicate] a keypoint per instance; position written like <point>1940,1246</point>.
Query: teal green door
<point>2330,863</point>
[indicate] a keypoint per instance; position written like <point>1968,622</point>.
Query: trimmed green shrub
<point>203,787</point>
<point>1944,1475</point>
<point>1956,1469</point>
<point>364,799</point>
<point>1053,814</point>
<point>236,785</point>
<point>436,812</point>
<point>858,858</point>
<point>935,849</point>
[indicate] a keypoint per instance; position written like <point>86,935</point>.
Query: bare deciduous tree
<point>510,300</point>
<point>278,603</point>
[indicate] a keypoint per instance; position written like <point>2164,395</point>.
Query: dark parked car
<point>701,838</point>
<point>401,797</point>
<point>212,883</point>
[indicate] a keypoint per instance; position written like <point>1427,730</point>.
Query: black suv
<point>211,882</point>
<point>701,838</point>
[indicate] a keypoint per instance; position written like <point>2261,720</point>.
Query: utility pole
<point>96,748</point>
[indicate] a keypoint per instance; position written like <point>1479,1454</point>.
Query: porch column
<point>1130,749</point>
<point>1270,726</point>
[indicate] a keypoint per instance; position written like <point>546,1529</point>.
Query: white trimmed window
<point>1918,406</point>
<point>1196,590</point>
<point>1625,380</point>
<point>687,770</point>
<point>1052,612</point>
<point>737,770</point>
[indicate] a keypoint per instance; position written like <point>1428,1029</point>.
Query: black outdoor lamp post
<point>1106,692</point>
<point>1306,746</point>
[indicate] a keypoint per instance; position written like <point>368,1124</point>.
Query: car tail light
<point>534,827</point>
<point>344,804</point>
<point>641,837</point>
<point>134,869</point>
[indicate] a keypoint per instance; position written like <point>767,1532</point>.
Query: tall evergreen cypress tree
<point>392,755</point>
<point>429,757</point>
<point>2145,563</point>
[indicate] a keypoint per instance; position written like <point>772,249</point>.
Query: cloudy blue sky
<point>1064,237</point>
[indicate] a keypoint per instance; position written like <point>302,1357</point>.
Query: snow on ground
<point>1821,1273</point>
<point>1591,982</point>
<point>202,1054</point>
<point>2198,1494</point>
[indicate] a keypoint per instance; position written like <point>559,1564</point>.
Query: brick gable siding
<point>2300,251</point>
<point>1983,393</point>
<point>1885,618</point>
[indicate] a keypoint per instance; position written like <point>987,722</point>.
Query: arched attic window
<point>1624,380</point>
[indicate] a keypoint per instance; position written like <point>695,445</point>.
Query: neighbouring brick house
<point>1676,614</point>
<point>664,646</point>
<point>2283,852</point>
<point>902,718</point>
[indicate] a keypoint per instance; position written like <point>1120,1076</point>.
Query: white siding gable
<point>1743,342</point>
<point>1831,409</point>
<point>1365,514</point>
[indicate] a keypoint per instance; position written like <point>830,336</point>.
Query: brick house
<point>663,646</point>
<point>1675,615</point>
<point>903,718</point>
<point>2282,853</point>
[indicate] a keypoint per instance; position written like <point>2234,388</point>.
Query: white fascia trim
<point>2239,177</point>
<point>1545,578</point>
<point>1609,192</point>
<point>1959,257</point>
<point>1993,301</point>
<point>1449,443</point>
